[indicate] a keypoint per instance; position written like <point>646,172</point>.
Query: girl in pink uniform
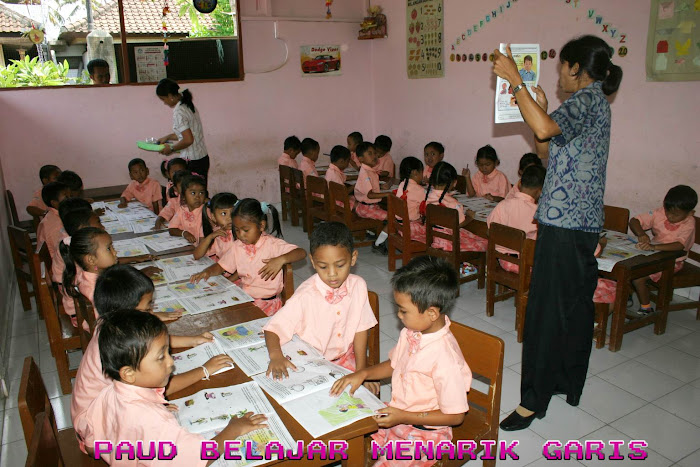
<point>187,221</point>
<point>488,182</point>
<point>410,190</point>
<point>218,237</point>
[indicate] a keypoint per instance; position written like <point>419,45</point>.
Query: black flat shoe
<point>573,401</point>
<point>515,421</point>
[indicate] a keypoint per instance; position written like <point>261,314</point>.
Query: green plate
<point>150,146</point>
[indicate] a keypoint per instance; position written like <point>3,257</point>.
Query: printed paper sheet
<point>161,242</point>
<point>130,248</point>
<point>181,268</point>
<point>527,57</point>
<point>241,335</point>
<point>197,357</point>
<point>312,376</point>
<point>255,358</point>
<point>619,248</point>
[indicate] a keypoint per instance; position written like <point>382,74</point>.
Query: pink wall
<point>654,127</point>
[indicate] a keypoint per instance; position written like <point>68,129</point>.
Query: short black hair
<point>529,158</point>
<point>50,192</point>
<point>339,153</point>
<point>331,234</point>
<point>124,339</point>
<point>292,142</point>
<point>46,170</point>
<point>533,177</point>
<point>356,137</point>
<point>430,281</point>
<point>76,220</point>
<point>69,205</point>
<point>487,152</point>
<point>679,197</point>
<point>137,161</point>
<point>527,57</point>
<point>362,148</point>
<point>120,286</point>
<point>96,63</point>
<point>71,179</point>
<point>309,145</point>
<point>383,143</point>
<point>437,146</point>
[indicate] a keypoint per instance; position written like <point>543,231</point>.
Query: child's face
<point>342,164</point>
<point>138,173</point>
<point>369,158</point>
<point>156,367</point>
<point>333,263</point>
<point>195,195</point>
<point>527,64</point>
<point>222,217</point>
<point>675,215</point>
<point>174,168</point>
<point>411,317</point>
<point>95,222</point>
<point>352,145</point>
<point>146,302</point>
<point>313,155</point>
<point>61,196</point>
<point>485,166</point>
<point>431,156</point>
<point>379,152</point>
<point>52,178</point>
<point>105,254</point>
<point>247,231</point>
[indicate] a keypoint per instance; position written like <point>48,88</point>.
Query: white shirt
<point>184,118</point>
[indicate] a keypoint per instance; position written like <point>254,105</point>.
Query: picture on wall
<point>673,42</point>
<point>425,39</point>
<point>320,60</point>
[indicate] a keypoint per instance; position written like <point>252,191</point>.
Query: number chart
<point>424,44</point>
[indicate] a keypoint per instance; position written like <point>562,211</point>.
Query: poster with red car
<point>424,41</point>
<point>320,60</point>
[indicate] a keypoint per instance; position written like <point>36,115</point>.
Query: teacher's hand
<point>505,67</point>
<point>541,97</point>
<point>167,149</point>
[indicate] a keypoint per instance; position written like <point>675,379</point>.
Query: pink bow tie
<point>250,250</point>
<point>671,227</point>
<point>189,216</point>
<point>413,341</point>
<point>485,178</point>
<point>336,295</point>
<point>229,236</point>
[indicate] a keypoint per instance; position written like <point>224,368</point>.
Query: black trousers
<point>200,166</point>
<point>559,318</point>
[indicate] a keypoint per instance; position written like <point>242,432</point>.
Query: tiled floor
<point>649,390</point>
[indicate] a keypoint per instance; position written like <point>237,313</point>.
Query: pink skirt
<point>656,277</point>
<point>370,211</point>
<point>409,432</point>
<point>347,360</point>
<point>269,307</point>
<point>467,242</point>
<point>417,231</point>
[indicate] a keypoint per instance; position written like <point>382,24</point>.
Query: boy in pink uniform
<point>410,190</point>
<point>673,229</point>
<point>354,139</point>
<point>340,160</point>
<point>488,182</point>
<point>123,287</point>
<point>310,149</point>
<point>135,351</point>
<point>330,310</point>
<point>51,231</point>
<point>433,153</point>
<point>292,148</point>
<point>526,161</point>
<point>47,174</point>
<point>143,188</point>
<point>385,164</point>
<point>429,376</point>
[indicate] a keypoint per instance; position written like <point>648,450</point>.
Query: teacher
<point>576,138</point>
<point>187,127</point>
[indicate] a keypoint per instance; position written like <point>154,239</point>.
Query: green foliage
<point>223,24</point>
<point>31,73</point>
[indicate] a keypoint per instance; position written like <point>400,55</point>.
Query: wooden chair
<point>616,218</point>
<point>43,450</point>
<point>689,276</point>
<point>63,337</point>
<point>286,182</point>
<point>343,214</point>
<point>513,239</point>
<point>316,201</point>
<point>484,355</point>
<point>399,230</point>
<point>26,225</point>
<point>373,357</point>
<point>439,218</point>
<point>33,400</point>
<point>298,198</point>
<point>85,313</point>
<point>288,281</point>
<point>21,248</point>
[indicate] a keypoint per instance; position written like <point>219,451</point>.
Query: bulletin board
<point>673,42</point>
<point>425,39</point>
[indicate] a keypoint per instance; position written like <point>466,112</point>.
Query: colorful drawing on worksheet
<point>235,333</point>
<point>345,408</point>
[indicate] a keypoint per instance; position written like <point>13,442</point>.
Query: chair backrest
<point>20,246</point>
<point>299,186</point>
<point>437,219</point>
<point>397,218</point>
<point>85,313</point>
<point>13,207</point>
<point>288,281</point>
<point>694,255</point>
<point>484,355</point>
<point>461,185</point>
<point>43,450</point>
<point>508,237</point>
<point>286,179</point>
<point>616,218</point>
<point>373,337</point>
<point>316,193</point>
<point>32,399</point>
<point>47,298</point>
<point>527,260</point>
<point>339,212</point>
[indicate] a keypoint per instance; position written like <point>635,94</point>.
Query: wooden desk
<point>106,193</point>
<point>196,324</point>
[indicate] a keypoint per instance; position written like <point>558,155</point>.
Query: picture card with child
<point>527,59</point>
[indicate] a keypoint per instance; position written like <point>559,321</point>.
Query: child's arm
<point>122,203</point>
<point>373,373</point>
<point>373,195</point>
<point>468,217</point>
<point>174,232</point>
<point>359,344</point>
<point>238,427</point>
<point>203,246</point>
<point>638,230</point>
<point>156,207</point>
<point>675,246</point>
<point>274,265</point>
<point>213,270</point>
<point>35,211</point>
<point>401,417</point>
<point>354,165</point>
<point>491,197</point>
<point>160,222</point>
<point>278,363</point>
<point>471,192</point>
<point>180,382</point>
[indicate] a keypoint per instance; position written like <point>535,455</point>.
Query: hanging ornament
<point>166,48</point>
<point>205,6</point>
<point>328,9</point>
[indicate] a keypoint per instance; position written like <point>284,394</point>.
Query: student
<point>429,376</point>
<point>340,160</point>
<point>98,69</point>
<point>135,353</point>
<point>433,153</point>
<point>443,180</point>
<point>123,287</point>
<point>367,193</point>
<point>673,229</point>
<point>173,206</point>
<point>385,164</point>
<point>50,229</point>
<point>219,238</point>
<point>47,174</point>
<point>73,181</point>
<point>187,221</point>
<point>354,139</point>
<point>310,149</point>
<point>330,311</point>
<point>526,161</point>
<point>489,182</point>
<point>410,190</point>
<point>255,255</point>
<point>143,188</point>
<point>168,169</point>
<point>292,148</point>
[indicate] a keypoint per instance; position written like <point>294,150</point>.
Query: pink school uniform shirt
<point>517,212</point>
<point>221,245</point>
<point>328,327</point>
<point>148,192</point>
<point>170,209</point>
<point>665,232</point>
<point>495,183</point>
<point>86,286</point>
<point>37,201</point>
<point>190,221</point>
<point>367,180</point>
<point>51,232</point>
<point>247,260</point>
<point>448,201</point>
<point>385,164</point>
<point>284,159</point>
<point>427,171</point>
<point>334,174</point>
<point>513,191</point>
<point>415,195</point>
<point>355,159</point>
<point>123,412</point>
<point>308,167</point>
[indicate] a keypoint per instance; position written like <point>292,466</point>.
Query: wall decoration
<point>424,44</point>
<point>482,21</point>
<point>374,25</point>
<point>150,66</point>
<point>320,60</point>
<point>673,41</point>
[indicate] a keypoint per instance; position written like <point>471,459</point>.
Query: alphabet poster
<point>424,41</point>
<point>673,42</point>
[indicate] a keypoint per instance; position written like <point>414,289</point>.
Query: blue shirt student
<point>572,196</point>
<point>527,75</point>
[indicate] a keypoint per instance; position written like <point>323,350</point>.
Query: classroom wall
<point>654,125</point>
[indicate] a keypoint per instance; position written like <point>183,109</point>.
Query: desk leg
<point>665,291</point>
<point>619,313</point>
<point>356,452</point>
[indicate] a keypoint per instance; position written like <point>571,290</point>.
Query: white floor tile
<point>27,324</point>
<point>513,351</point>
<point>696,383</point>
<point>672,362</point>
<point>640,380</point>
<point>12,428</point>
<point>690,461</point>
<point>603,359</point>
<point>683,402</point>
<point>385,345</point>
<point>529,447</point>
<point>61,407</point>
<point>74,358</point>
<point>634,345</point>
<point>482,325</point>
<point>46,362</point>
<point>685,318</point>
<point>667,434</point>
<point>13,454</point>
<point>15,365</point>
<point>543,462</point>
<point>23,346</point>
<point>606,401</point>
<point>503,317</point>
<point>510,390</point>
<point>386,307</point>
<point>673,332</point>
<point>607,433</point>
<point>390,325</point>
<point>689,344</point>
<point>565,422</point>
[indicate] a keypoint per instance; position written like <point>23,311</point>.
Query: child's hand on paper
<point>218,362</point>
<point>469,214</point>
<point>189,237</point>
<point>277,368</point>
<point>372,386</point>
<point>354,380</point>
<point>644,246</point>
<point>644,238</point>
<point>395,417</point>
<point>151,271</point>
<point>247,423</point>
<point>160,222</point>
<point>272,267</point>
<point>201,276</point>
<point>489,197</point>
<point>172,408</point>
<point>203,338</point>
<point>168,316</point>
<point>99,211</point>
<point>122,204</point>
